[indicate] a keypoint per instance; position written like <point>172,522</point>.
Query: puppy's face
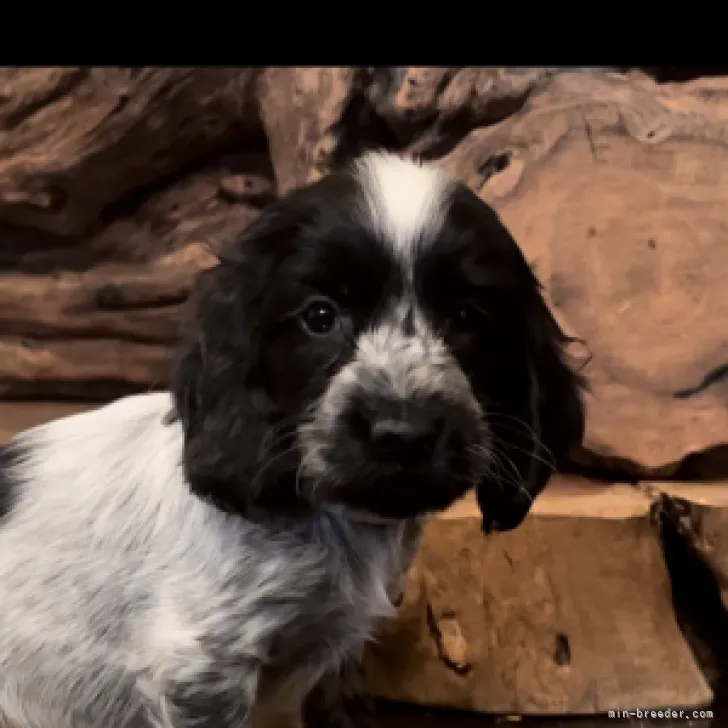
<point>377,341</point>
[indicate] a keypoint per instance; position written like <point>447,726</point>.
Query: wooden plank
<point>569,614</point>
<point>712,494</point>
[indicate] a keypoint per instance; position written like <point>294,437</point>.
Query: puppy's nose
<point>406,439</point>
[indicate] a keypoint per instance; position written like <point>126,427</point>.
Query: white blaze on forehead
<point>406,199</point>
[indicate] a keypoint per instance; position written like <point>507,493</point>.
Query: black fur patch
<point>9,457</point>
<point>340,701</point>
<point>513,355</point>
<point>207,702</point>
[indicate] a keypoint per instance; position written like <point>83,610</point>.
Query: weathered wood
<point>75,140</point>
<point>94,368</point>
<point>610,181</point>
<point>613,188</point>
<point>571,613</point>
<point>128,301</point>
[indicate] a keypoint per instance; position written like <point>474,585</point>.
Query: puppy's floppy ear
<point>544,419</point>
<point>216,379</point>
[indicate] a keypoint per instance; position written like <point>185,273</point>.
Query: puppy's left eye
<point>319,317</point>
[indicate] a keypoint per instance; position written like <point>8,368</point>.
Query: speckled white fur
<point>110,568</point>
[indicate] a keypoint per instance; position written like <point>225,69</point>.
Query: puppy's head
<point>375,340</point>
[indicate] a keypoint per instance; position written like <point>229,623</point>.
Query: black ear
<point>541,418</point>
<point>216,380</point>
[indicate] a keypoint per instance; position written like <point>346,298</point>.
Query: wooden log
<point>128,301</point>
<point>569,614</point>
<point>74,140</point>
<point>612,185</point>
<point>84,368</point>
<point>132,295</point>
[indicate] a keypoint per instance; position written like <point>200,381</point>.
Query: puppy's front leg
<point>211,698</point>
<point>339,700</point>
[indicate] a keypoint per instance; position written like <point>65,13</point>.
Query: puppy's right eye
<point>319,317</point>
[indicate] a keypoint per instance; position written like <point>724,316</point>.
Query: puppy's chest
<point>350,588</point>
<point>297,605</point>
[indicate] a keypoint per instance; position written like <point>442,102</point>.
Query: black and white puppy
<point>372,347</point>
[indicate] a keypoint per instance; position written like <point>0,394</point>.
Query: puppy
<point>372,347</point>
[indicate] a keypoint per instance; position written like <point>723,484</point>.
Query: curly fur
<point>200,557</point>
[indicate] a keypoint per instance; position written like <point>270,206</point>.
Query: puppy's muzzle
<point>406,439</point>
<point>408,434</point>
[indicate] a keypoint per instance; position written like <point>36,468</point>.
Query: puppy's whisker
<point>495,478</point>
<point>272,442</point>
<point>488,459</point>
<point>490,412</point>
<point>297,479</point>
<point>504,468</point>
<point>275,430</point>
<point>268,464</point>
<point>274,435</point>
<point>551,466</point>
<point>516,480</point>
<point>523,424</point>
<point>304,466</point>
<point>537,450</point>
<point>481,452</point>
<point>479,457</point>
<point>534,456</point>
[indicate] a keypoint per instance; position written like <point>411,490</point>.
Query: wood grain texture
<point>569,614</point>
